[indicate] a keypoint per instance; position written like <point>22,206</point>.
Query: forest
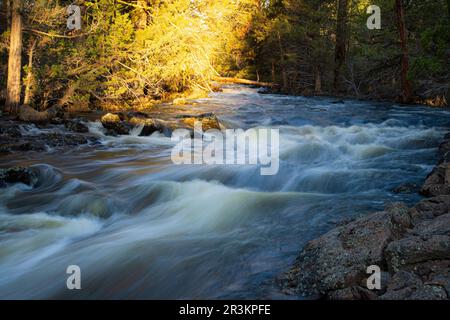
<point>225,150</point>
<point>133,54</point>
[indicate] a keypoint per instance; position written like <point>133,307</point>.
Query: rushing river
<point>141,227</point>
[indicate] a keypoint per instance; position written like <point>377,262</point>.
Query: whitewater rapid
<point>141,227</point>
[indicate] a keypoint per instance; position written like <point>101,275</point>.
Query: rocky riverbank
<point>57,129</point>
<point>411,246</point>
<point>23,136</point>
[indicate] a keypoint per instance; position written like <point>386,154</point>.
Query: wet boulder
<point>149,126</point>
<point>28,114</point>
<point>123,122</point>
<point>12,131</point>
<point>17,175</point>
<point>76,126</point>
<point>114,124</point>
<point>208,121</point>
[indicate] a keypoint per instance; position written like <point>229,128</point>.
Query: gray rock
<point>352,293</point>
<point>413,249</point>
<point>428,292</point>
<point>18,175</point>
<point>123,122</point>
<point>402,286</point>
<point>444,147</point>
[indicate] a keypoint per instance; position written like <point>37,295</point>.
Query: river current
<point>139,226</point>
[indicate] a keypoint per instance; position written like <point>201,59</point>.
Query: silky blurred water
<point>140,227</point>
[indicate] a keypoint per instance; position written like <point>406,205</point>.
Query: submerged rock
<point>209,121</point>
<point>17,175</point>
<point>412,250</point>
<point>12,139</point>
<point>114,124</point>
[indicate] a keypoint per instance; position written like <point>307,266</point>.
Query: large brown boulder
<point>430,208</point>
<point>114,124</point>
<point>438,181</point>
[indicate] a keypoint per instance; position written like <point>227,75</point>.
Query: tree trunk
<point>14,60</point>
<point>283,67</point>
<point>340,52</point>
<point>318,81</point>
<point>406,85</point>
<point>30,76</point>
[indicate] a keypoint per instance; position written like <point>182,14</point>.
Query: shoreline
<point>411,247</point>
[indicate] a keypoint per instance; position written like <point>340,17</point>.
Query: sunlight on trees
<point>130,53</point>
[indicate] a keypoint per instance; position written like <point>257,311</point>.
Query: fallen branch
<point>244,81</point>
